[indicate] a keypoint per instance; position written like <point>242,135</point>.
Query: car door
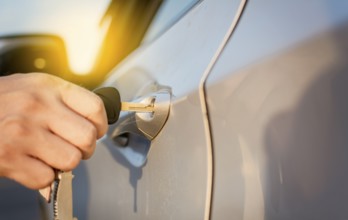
<point>175,180</point>
<point>278,112</point>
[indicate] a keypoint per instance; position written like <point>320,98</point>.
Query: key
<point>62,196</point>
<point>60,192</point>
<point>136,107</point>
<point>113,105</point>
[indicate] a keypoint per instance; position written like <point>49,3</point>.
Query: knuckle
<point>88,153</point>
<point>72,160</point>
<point>99,113</point>
<point>87,143</point>
<point>6,162</point>
<point>65,86</point>
<point>37,78</point>
<point>42,179</point>
<point>5,154</point>
<point>96,105</point>
<point>90,136</point>
<point>99,105</point>
<point>16,127</point>
<point>31,102</point>
<point>46,179</point>
<point>42,78</point>
<point>103,130</point>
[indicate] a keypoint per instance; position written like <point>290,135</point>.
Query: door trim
<point>205,110</point>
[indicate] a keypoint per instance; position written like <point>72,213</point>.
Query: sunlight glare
<point>77,22</point>
<point>82,49</point>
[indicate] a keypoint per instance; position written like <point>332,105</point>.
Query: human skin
<point>46,123</point>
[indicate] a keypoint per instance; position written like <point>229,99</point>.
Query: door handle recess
<point>133,132</point>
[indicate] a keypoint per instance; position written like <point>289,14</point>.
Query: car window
<point>95,35</point>
<point>169,12</point>
<point>77,22</point>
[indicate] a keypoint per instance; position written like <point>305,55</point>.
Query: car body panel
<point>17,202</point>
<point>174,183</point>
<point>278,113</point>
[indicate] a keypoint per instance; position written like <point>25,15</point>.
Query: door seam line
<point>205,111</point>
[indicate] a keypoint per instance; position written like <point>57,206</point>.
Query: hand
<point>46,123</point>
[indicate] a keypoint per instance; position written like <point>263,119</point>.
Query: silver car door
<point>278,111</point>
<point>175,180</point>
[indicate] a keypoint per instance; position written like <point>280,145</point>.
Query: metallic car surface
<point>276,115</point>
<point>175,183</point>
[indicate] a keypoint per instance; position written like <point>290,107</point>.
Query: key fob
<point>112,102</point>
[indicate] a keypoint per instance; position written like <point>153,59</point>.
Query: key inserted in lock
<point>113,105</point>
<point>133,132</point>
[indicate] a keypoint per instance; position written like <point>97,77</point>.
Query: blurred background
<point>80,40</point>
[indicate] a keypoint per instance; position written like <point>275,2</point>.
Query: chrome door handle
<point>133,132</point>
<point>147,124</point>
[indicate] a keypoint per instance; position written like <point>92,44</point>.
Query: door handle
<point>133,132</point>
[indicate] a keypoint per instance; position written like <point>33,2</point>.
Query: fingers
<point>30,153</point>
<point>55,151</point>
<point>79,100</point>
<point>21,136</point>
<point>31,172</point>
<point>87,104</point>
<point>46,123</point>
<point>72,113</point>
<point>74,129</point>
